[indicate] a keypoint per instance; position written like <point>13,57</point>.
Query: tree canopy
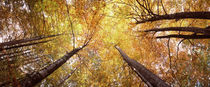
<point>125,43</point>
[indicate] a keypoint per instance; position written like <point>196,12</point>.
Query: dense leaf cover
<point>168,37</point>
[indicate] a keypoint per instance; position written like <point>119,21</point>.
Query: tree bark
<point>186,36</point>
<point>187,29</point>
<point>36,77</point>
<point>177,16</point>
<point>146,75</point>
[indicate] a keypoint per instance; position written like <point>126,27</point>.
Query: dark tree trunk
<point>186,29</point>
<point>15,52</point>
<point>11,43</point>
<point>177,16</point>
<point>14,55</point>
<point>28,44</point>
<point>36,77</point>
<point>146,75</point>
<point>186,36</point>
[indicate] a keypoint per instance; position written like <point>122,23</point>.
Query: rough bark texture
<point>36,77</point>
<point>187,29</point>
<point>186,36</point>
<point>146,75</point>
<point>177,16</point>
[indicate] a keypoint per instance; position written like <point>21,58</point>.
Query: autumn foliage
<point>80,42</point>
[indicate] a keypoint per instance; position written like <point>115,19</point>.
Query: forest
<point>104,43</point>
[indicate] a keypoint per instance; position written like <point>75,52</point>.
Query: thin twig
<point>163,7</point>
<point>169,51</point>
<point>71,25</point>
<point>178,48</point>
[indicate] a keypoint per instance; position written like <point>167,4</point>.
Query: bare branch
<point>169,53</point>
<point>177,55</point>
<point>163,7</point>
<point>71,25</point>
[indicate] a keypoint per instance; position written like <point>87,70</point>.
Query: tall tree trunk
<point>185,36</point>
<point>14,55</point>
<point>36,77</point>
<point>28,44</point>
<point>65,78</point>
<point>11,43</point>
<point>146,75</point>
<point>14,52</point>
<point>186,29</point>
<point>177,16</point>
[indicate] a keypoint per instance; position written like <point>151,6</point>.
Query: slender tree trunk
<point>186,29</point>
<point>177,16</point>
<point>28,44</point>
<point>36,77</point>
<point>68,76</point>
<point>146,75</point>
<point>14,55</point>
<point>15,52</point>
<point>11,43</point>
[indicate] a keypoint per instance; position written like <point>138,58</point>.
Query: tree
<point>147,76</point>
<point>36,77</point>
<point>6,45</point>
<point>68,76</point>
<point>183,21</point>
<point>168,37</point>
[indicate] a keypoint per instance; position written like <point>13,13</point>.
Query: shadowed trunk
<point>36,77</point>
<point>146,75</point>
<point>11,43</point>
<point>15,52</point>
<point>186,29</point>
<point>177,16</point>
<point>14,55</point>
<point>186,36</point>
<point>28,44</point>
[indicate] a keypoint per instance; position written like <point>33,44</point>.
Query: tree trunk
<point>36,77</point>
<point>146,75</point>
<point>68,76</point>
<point>15,52</point>
<point>2,45</point>
<point>14,55</point>
<point>186,36</point>
<point>177,16</point>
<point>28,44</point>
<point>186,29</point>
